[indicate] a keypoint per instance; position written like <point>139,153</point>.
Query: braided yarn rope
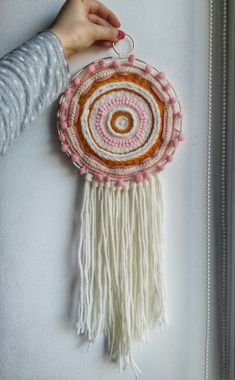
<point>120,120</point>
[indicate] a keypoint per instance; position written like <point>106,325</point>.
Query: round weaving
<point>119,120</point>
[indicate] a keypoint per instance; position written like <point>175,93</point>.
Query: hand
<point>80,23</point>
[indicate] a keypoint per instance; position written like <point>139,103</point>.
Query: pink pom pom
<point>99,176</point>
<point>131,58</point>
<point>179,115</point>
<point>116,63</point>
<point>169,158</point>
<point>159,168</point>
<point>77,81</point>
<point>173,100</point>
<point>138,177</point>
<point>181,137</point>
<point>146,174</point>
<point>74,157</point>
<point>64,147</point>
<point>148,69</point>
<point>91,69</point>
<point>168,86</point>
<point>64,125</point>
<point>62,137</point>
<point>82,170</point>
<point>102,63</point>
<point>161,75</point>
<point>176,142</point>
<point>106,178</point>
<point>62,118</point>
<point>64,105</point>
<point>119,182</point>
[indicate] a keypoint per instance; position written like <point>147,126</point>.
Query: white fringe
<point>120,263</point>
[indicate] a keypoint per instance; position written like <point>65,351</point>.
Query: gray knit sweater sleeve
<point>31,77</point>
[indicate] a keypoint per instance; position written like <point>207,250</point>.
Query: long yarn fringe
<point>120,256</point>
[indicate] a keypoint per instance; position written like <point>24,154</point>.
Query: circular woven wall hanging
<point>119,121</point>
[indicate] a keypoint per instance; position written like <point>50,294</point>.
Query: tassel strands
<point>120,262</point>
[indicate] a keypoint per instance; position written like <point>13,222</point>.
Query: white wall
<point>40,188</point>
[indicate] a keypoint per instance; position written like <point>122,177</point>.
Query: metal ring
<point>132,47</point>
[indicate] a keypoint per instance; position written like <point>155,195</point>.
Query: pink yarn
<point>167,87</point>
<point>64,125</point>
<point>146,174</point>
<point>99,176</point>
<point>62,137</point>
<point>159,167</point>
<point>77,81</point>
<point>76,114</point>
<point>138,177</point>
<point>82,170</point>
<point>74,157</point>
<point>160,75</point>
<point>91,69</point>
<point>173,100</point>
<point>116,63</point>
<point>106,178</point>
<point>102,64</point>
<point>119,182</point>
<point>169,158</point>
<point>64,105</point>
<point>131,58</point>
<point>148,69</point>
<point>181,137</point>
<point>62,118</point>
<point>176,142</point>
<point>179,115</point>
<point>64,147</point>
<point>68,92</point>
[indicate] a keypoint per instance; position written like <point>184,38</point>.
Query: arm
<point>34,74</point>
<point>31,77</point>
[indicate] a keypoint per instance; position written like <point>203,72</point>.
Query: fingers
<point>105,44</point>
<point>101,10</point>
<point>97,20</point>
<point>105,33</point>
<point>100,21</point>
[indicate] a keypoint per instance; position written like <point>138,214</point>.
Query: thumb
<point>108,33</point>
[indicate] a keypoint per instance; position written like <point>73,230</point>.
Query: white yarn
<point>120,260</point>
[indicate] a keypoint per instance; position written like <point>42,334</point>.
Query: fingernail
<point>121,34</point>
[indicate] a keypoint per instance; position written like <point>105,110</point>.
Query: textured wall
<point>40,188</point>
